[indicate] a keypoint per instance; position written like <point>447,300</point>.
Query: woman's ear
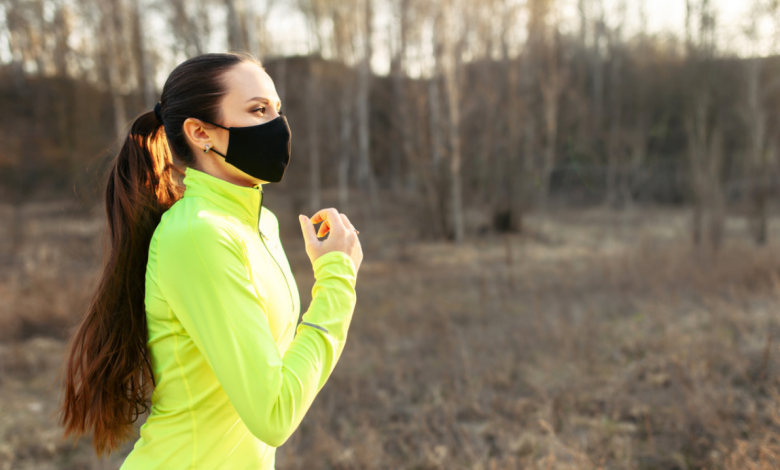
<point>197,135</point>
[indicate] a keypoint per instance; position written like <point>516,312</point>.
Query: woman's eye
<point>261,108</point>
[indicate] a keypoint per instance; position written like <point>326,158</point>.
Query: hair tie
<point>157,113</point>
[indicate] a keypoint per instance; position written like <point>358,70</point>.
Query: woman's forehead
<point>246,82</point>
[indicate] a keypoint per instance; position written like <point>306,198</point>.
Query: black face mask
<point>262,151</point>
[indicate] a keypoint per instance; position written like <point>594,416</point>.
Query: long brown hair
<point>108,373</point>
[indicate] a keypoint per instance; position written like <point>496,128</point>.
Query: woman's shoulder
<point>189,220</point>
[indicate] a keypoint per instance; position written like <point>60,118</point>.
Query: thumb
<point>309,235</point>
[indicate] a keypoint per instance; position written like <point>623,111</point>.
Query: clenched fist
<point>342,236</point>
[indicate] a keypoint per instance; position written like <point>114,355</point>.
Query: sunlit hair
<point>108,371</point>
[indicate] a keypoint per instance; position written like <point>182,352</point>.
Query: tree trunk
<point>365,173</point>
<point>347,107</point>
<point>756,161</point>
<point>250,27</point>
<point>143,63</point>
<point>552,85</point>
<point>705,152</point>
<point>451,68</point>
<point>312,94</point>
<point>235,27</point>
<point>615,145</point>
<point>112,23</point>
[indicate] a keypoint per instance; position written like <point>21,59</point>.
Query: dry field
<point>597,341</point>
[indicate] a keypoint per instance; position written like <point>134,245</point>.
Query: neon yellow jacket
<point>234,375</point>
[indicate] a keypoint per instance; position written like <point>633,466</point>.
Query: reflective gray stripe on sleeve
<point>314,326</point>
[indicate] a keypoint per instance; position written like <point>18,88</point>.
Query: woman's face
<point>251,99</point>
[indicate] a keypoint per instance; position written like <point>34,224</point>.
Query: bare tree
<point>345,146</point>
<point>402,118</point>
<point>312,101</point>
<point>144,69</point>
<point>366,178</point>
<point>451,64</point>
<point>637,135</point>
<point>236,24</point>
<point>314,13</point>
<point>188,26</point>
<point>343,45</point>
<point>544,52</point>
<point>434,97</point>
<point>704,130</point>
<point>615,138</point>
<point>431,169</point>
<point>761,152</point>
<point>506,196</point>
<point>115,58</point>
<point>252,24</point>
<point>592,31</point>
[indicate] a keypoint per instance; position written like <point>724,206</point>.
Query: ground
<point>596,339</point>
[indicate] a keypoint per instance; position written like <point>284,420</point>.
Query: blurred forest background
<point>569,219</point>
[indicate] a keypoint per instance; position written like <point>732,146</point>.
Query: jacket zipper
<point>263,238</point>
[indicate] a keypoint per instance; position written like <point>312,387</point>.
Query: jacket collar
<point>241,201</point>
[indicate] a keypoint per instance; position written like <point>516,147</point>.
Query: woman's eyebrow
<point>262,100</point>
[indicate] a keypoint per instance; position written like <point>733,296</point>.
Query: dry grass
<point>596,342</point>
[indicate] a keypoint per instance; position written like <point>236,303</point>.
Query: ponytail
<point>108,369</point>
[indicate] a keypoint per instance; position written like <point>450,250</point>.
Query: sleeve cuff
<point>335,259</point>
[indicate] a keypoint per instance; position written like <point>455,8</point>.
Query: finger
<point>330,215</point>
<point>324,229</point>
<point>347,224</point>
<point>309,235</point>
<point>319,216</point>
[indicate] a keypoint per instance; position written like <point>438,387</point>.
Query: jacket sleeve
<point>204,275</point>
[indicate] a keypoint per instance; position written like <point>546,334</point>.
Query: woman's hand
<point>342,236</point>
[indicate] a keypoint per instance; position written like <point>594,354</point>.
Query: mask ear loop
<point>208,147</point>
<point>214,124</point>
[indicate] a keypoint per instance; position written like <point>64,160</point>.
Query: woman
<point>197,304</point>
